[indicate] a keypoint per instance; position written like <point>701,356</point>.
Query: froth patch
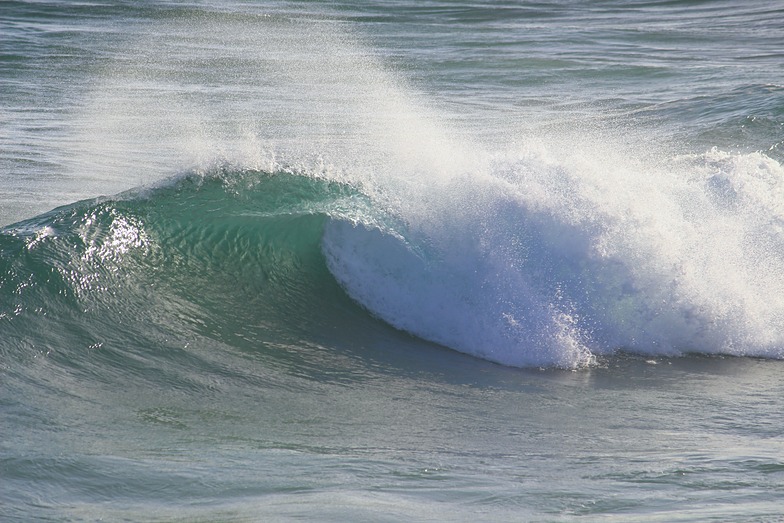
<point>542,262</point>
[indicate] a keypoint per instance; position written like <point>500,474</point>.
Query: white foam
<point>536,261</point>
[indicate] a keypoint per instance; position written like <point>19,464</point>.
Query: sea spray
<point>308,92</point>
<point>566,245</point>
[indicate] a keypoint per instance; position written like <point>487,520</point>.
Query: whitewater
<point>429,261</point>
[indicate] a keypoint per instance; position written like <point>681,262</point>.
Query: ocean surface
<point>392,261</point>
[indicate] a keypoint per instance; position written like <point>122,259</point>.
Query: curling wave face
<point>528,261</point>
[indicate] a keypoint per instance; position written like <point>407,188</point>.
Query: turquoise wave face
<point>132,284</point>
